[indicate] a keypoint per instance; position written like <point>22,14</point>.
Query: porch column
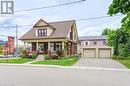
<point>49,45</point>
<point>37,45</point>
<point>30,46</point>
<point>63,45</point>
<point>24,45</point>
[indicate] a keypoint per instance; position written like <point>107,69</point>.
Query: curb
<point>68,67</point>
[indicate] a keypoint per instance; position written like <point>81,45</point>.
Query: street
<point>43,76</point>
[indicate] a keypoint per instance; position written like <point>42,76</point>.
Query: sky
<point>86,9</point>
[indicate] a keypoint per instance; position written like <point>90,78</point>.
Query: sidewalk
<point>66,67</point>
<point>31,62</point>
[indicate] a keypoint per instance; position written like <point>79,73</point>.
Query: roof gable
<point>41,22</point>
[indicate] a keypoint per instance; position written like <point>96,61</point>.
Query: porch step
<point>40,57</point>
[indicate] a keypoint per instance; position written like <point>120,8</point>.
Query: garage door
<point>105,53</point>
<point>89,53</point>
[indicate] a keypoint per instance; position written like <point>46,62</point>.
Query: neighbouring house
<point>94,47</point>
<point>44,36</point>
<point>9,46</point>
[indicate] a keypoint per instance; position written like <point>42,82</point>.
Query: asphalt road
<point>43,76</point>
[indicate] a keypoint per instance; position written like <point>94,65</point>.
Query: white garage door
<point>104,53</point>
<point>89,53</point>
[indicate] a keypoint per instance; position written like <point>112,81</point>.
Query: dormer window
<point>42,32</point>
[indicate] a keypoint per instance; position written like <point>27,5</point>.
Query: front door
<point>33,46</point>
<point>41,47</point>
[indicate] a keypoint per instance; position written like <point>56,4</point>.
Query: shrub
<point>47,57</point>
<point>73,56</point>
<point>52,54</point>
<point>23,52</point>
<point>59,53</point>
<point>121,57</point>
<point>34,56</point>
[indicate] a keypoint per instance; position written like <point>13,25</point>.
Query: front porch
<point>43,47</point>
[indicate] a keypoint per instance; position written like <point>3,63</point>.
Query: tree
<point>120,39</point>
<point>117,39</point>
<point>119,6</point>
<point>1,49</point>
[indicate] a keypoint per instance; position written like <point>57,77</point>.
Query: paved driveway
<point>92,62</point>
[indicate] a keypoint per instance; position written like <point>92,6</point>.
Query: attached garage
<point>104,53</point>
<point>97,52</point>
<point>89,53</point>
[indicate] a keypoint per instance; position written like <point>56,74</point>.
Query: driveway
<point>105,63</point>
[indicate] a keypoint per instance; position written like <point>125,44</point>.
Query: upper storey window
<point>42,32</point>
<point>95,43</point>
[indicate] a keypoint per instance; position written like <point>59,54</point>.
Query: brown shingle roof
<point>62,29</point>
<point>81,38</point>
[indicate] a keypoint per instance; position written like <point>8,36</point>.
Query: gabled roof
<point>41,23</point>
<point>82,38</point>
<point>62,29</point>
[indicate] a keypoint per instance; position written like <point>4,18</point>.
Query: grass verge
<point>125,62</point>
<point>66,62</point>
<point>16,60</point>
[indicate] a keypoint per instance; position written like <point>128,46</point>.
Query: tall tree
<point>121,38</point>
<point>119,6</point>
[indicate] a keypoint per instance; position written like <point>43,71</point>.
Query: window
<point>104,42</point>
<point>86,43</point>
<point>42,32</point>
<point>95,43</point>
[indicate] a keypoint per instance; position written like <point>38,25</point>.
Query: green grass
<point>125,62</point>
<point>67,62</point>
<point>16,60</point>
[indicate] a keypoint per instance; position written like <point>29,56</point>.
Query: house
<point>44,36</point>
<point>94,47</point>
<point>9,46</point>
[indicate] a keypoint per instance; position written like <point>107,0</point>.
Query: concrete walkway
<point>104,63</point>
<point>39,58</point>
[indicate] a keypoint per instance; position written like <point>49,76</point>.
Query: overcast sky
<point>87,9</point>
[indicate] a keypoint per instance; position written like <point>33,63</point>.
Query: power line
<point>81,19</point>
<point>99,17</point>
<point>33,9</point>
<point>87,27</point>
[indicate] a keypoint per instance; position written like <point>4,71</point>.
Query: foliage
<point>1,49</point>
<point>60,53</point>
<point>23,52</point>
<point>34,56</point>
<point>119,6</point>
<point>65,62</point>
<point>125,62</point>
<point>120,40</point>
<point>120,57</point>
<point>52,54</point>
<point>47,57</point>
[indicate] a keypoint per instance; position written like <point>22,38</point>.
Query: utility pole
<point>16,40</point>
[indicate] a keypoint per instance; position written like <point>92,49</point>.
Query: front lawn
<point>16,60</point>
<point>65,62</point>
<point>125,62</point>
